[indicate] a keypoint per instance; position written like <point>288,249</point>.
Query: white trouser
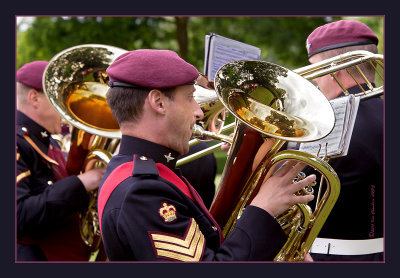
<point>347,247</point>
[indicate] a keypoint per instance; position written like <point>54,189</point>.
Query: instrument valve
<point>308,189</point>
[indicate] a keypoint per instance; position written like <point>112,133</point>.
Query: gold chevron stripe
<point>49,159</point>
<point>189,248</point>
<point>23,175</point>
<point>182,257</point>
<point>176,240</point>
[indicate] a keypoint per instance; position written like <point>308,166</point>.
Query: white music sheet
<point>338,141</point>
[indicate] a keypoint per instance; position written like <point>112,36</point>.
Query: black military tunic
<point>46,202</point>
<point>358,212</point>
<point>149,212</point>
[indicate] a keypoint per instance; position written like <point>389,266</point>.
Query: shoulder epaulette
<point>23,132</point>
<point>140,166</point>
<point>144,166</point>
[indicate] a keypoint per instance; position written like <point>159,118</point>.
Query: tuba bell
<point>354,64</point>
<point>346,61</point>
<point>75,82</point>
<point>272,105</point>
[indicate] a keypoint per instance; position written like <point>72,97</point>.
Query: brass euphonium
<point>355,60</point>
<point>75,82</point>
<point>272,105</point>
<point>352,59</point>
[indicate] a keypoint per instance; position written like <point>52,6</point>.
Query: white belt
<point>347,247</point>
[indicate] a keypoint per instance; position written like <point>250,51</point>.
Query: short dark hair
<point>127,103</point>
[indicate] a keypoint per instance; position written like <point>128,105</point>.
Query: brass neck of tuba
<point>272,105</point>
<point>329,66</point>
<point>75,82</point>
<point>255,148</point>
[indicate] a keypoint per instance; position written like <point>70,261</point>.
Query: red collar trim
<point>124,171</point>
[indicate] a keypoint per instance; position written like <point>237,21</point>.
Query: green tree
<point>49,35</point>
<point>281,39</point>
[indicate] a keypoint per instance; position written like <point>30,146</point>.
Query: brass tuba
<point>75,82</point>
<point>272,105</point>
<point>300,239</point>
<point>346,61</point>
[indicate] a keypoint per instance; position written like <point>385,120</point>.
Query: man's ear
<point>157,101</point>
<point>34,98</point>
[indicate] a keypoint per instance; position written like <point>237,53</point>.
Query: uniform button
<point>49,182</point>
<point>214,228</point>
<point>24,129</point>
<point>143,158</point>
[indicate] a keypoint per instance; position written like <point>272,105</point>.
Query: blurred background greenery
<point>281,39</point>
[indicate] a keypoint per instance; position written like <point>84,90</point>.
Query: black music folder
<point>220,50</point>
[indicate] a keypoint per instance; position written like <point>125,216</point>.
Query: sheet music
<point>354,103</point>
<point>220,51</point>
<point>338,141</point>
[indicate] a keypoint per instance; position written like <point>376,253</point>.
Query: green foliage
<point>220,156</point>
<point>49,35</point>
<point>281,39</point>
<point>376,23</point>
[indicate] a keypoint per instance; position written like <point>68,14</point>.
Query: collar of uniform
<point>160,154</point>
<point>35,131</point>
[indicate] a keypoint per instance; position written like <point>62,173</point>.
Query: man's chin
<point>185,150</point>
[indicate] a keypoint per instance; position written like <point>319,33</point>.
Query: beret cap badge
<point>308,45</point>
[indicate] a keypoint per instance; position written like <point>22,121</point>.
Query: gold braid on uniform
<point>188,248</point>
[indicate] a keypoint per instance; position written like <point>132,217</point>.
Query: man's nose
<point>198,113</point>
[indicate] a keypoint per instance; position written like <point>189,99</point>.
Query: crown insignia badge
<point>167,212</point>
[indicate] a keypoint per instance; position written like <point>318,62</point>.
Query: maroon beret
<point>151,68</point>
<point>31,74</point>
<point>339,34</point>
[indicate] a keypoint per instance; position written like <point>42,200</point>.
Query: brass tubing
<point>199,154</point>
